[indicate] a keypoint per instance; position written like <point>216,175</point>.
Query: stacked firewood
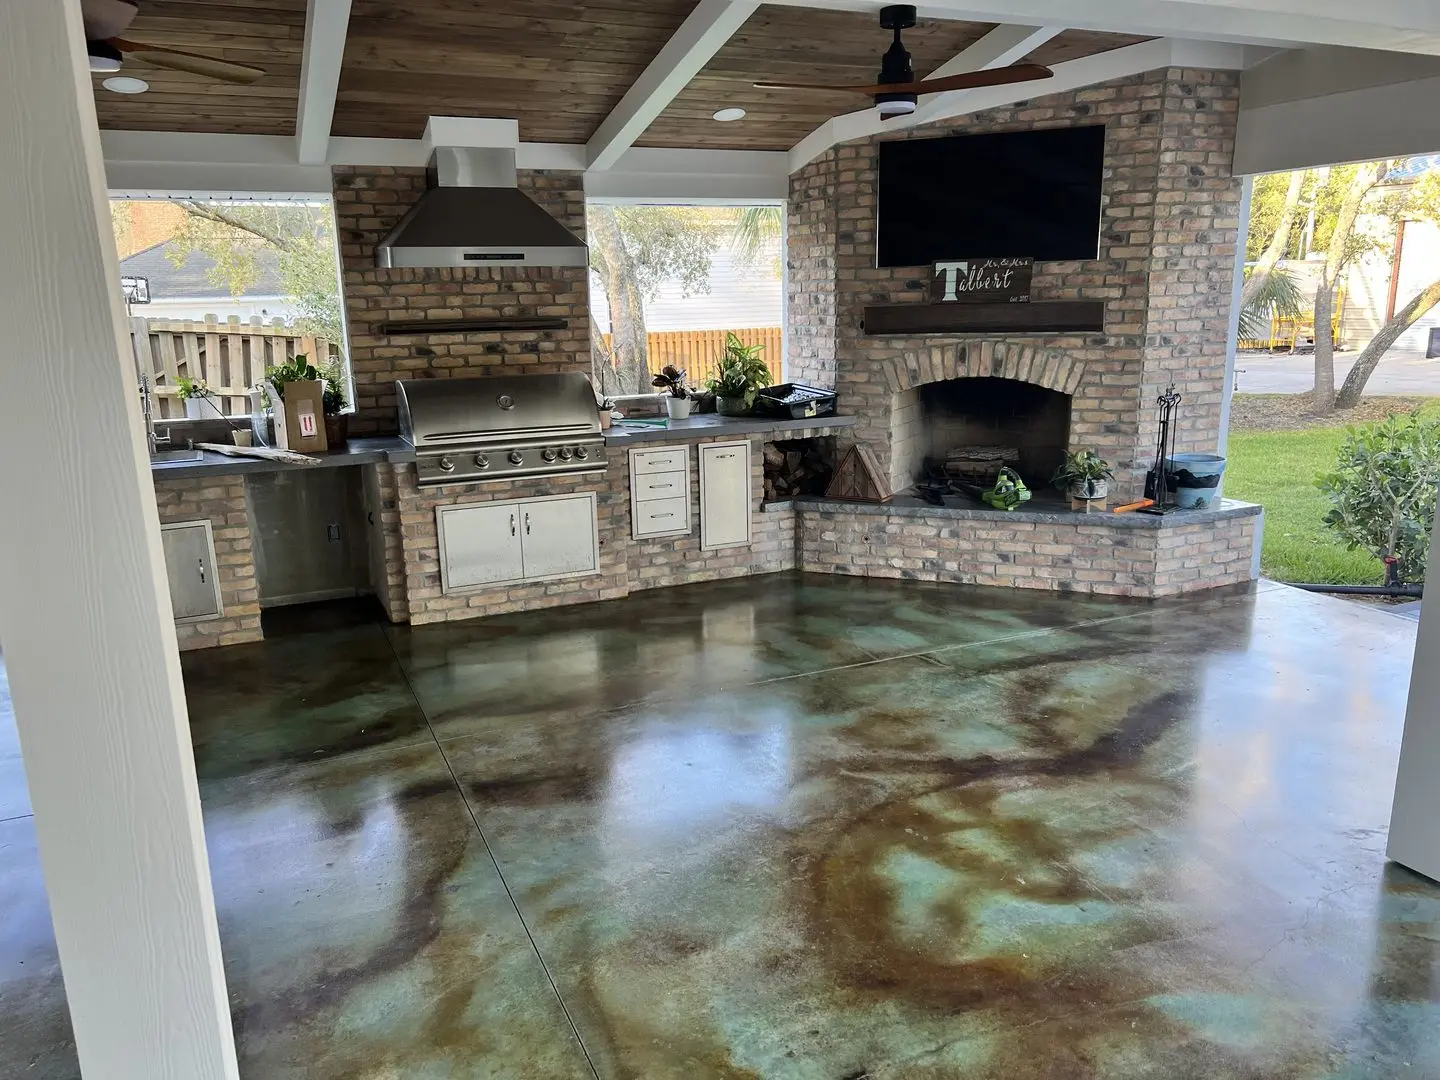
<point>979,464</point>
<point>798,467</point>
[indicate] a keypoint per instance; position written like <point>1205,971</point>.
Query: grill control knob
<point>581,453</point>
<point>517,458</point>
<point>547,454</point>
<point>565,454</point>
<point>446,465</point>
<point>482,461</point>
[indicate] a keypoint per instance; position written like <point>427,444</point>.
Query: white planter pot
<point>195,409</point>
<point>1090,489</point>
<point>677,407</point>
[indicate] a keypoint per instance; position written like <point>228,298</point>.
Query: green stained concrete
<point>798,827</point>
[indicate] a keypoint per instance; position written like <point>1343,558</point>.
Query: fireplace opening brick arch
<point>1050,368</point>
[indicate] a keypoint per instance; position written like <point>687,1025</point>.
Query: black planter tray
<point>794,401</point>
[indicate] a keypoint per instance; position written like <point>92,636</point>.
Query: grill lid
<point>503,408</point>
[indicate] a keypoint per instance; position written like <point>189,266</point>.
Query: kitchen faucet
<point>147,406</point>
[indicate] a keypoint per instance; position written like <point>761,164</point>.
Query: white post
<point>1414,838</point>
<point>84,609</point>
<point>1232,333</point>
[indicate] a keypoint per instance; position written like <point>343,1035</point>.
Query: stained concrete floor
<point>799,827</point>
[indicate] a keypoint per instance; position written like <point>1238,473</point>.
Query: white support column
<point>1232,332</point>
<point>84,610</point>
<point>1414,838</point>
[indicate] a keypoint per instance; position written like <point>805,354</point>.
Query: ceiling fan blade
<point>966,81</point>
<point>104,19</point>
<point>193,63</point>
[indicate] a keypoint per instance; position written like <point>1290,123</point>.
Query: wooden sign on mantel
<point>982,281</point>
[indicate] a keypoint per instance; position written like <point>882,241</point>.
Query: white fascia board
<point>1071,75</point>
<point>1396,25</point>
<point>327,22</point>
<point>698,38</point>
<point>1298,74</point>
<point>1365,124</point>
<point>645,174</point>
<point>1001,47</point>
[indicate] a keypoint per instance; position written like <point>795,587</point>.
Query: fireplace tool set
<point>1157,480</point>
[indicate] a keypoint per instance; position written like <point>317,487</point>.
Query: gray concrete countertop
<point>712,425</point>
<point>964,510</point>
<point>356,452</point>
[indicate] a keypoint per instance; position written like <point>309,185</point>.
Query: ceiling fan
<point>106,20</point>
<point>897,89</point>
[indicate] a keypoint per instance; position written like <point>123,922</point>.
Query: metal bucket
<point>1196,479</point>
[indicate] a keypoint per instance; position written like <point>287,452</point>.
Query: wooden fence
<point>698,351</point>
<point>231,356</point>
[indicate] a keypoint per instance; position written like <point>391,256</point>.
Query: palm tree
<point>1278,292</point>
<point>756,232</point>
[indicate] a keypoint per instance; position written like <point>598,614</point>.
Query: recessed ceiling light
<point>124,84</point>
<point>725,116</point>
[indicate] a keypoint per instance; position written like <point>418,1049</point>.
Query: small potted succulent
<point>738,375</point>
<point>1084,475</point>
<point>677,401</point>
<point>195,393</point>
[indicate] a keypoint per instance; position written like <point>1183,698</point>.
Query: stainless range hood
<point>473,215</point>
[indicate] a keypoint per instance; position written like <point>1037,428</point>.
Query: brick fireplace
<point>1168,234</point>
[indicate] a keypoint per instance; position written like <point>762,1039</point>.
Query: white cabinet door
<point>479,544</point>
<point>724,495</point>
<point>190,566</point>
<point>559,536</point>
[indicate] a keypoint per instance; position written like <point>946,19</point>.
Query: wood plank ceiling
<point>807,45</point>
<point>557,66</point>
<point>267,34</point>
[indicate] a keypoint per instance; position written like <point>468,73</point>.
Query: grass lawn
<point>1278,470</point>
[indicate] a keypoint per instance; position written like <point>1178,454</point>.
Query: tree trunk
<point>1366,177</point>
<point>602,363</point>
<point>1279,243</point>
<point>627,312</point>
<point>1365,363</point>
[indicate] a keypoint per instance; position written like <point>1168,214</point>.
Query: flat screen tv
<point>1007,195</point>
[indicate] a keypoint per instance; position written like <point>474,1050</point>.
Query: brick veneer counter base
<point>1113,554</point>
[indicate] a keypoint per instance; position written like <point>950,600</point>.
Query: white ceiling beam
<point>327,22</point>
<point>1393,25</point>
<point>1071,75</point>
<point>1001,47</point>
<point>689,49</point>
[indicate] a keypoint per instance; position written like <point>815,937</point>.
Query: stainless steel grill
<point>502,427</point>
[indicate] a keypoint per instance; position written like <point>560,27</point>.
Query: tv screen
<point>1008,195</point>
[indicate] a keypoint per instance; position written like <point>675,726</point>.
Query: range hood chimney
<point>473,215</point>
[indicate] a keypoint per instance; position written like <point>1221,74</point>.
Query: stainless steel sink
<point>160,457</point>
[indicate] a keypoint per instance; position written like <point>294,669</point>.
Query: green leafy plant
<point>1081,469</point>
<point>740,371</point>
<point>333,399</point>
<point>1383,491</point>
<point>297,369</point>
<point>193,388</point>
<point>1278,294</point>
<point>672,380</point>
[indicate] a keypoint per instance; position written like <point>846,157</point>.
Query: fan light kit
<point>106,20</point>
<point>726,116</point>
<point>896,91</point>
<point>123,84</point>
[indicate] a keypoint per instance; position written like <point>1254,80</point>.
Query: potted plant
<point>194,393</point>
<point>738,375</point>
<point>1084,475</point>
<point>337,422</point>
<point>672,380</point>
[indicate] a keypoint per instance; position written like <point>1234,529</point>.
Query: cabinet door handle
<point>527,523</point>
<point>661,485</point>
<point>662,515</point>
<point>718,456</point>
<point>200,565</point>
<point>512,524</point>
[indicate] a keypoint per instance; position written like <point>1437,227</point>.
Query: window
<point>218,290</point>
<point>668,282</point>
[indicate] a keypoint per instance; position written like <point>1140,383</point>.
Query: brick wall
<point>368,203</point>
<point>1169,141</point>
<point>1100,557</point>
<point>221,501</point>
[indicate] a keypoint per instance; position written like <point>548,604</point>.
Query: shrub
<point>1383,492</point>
